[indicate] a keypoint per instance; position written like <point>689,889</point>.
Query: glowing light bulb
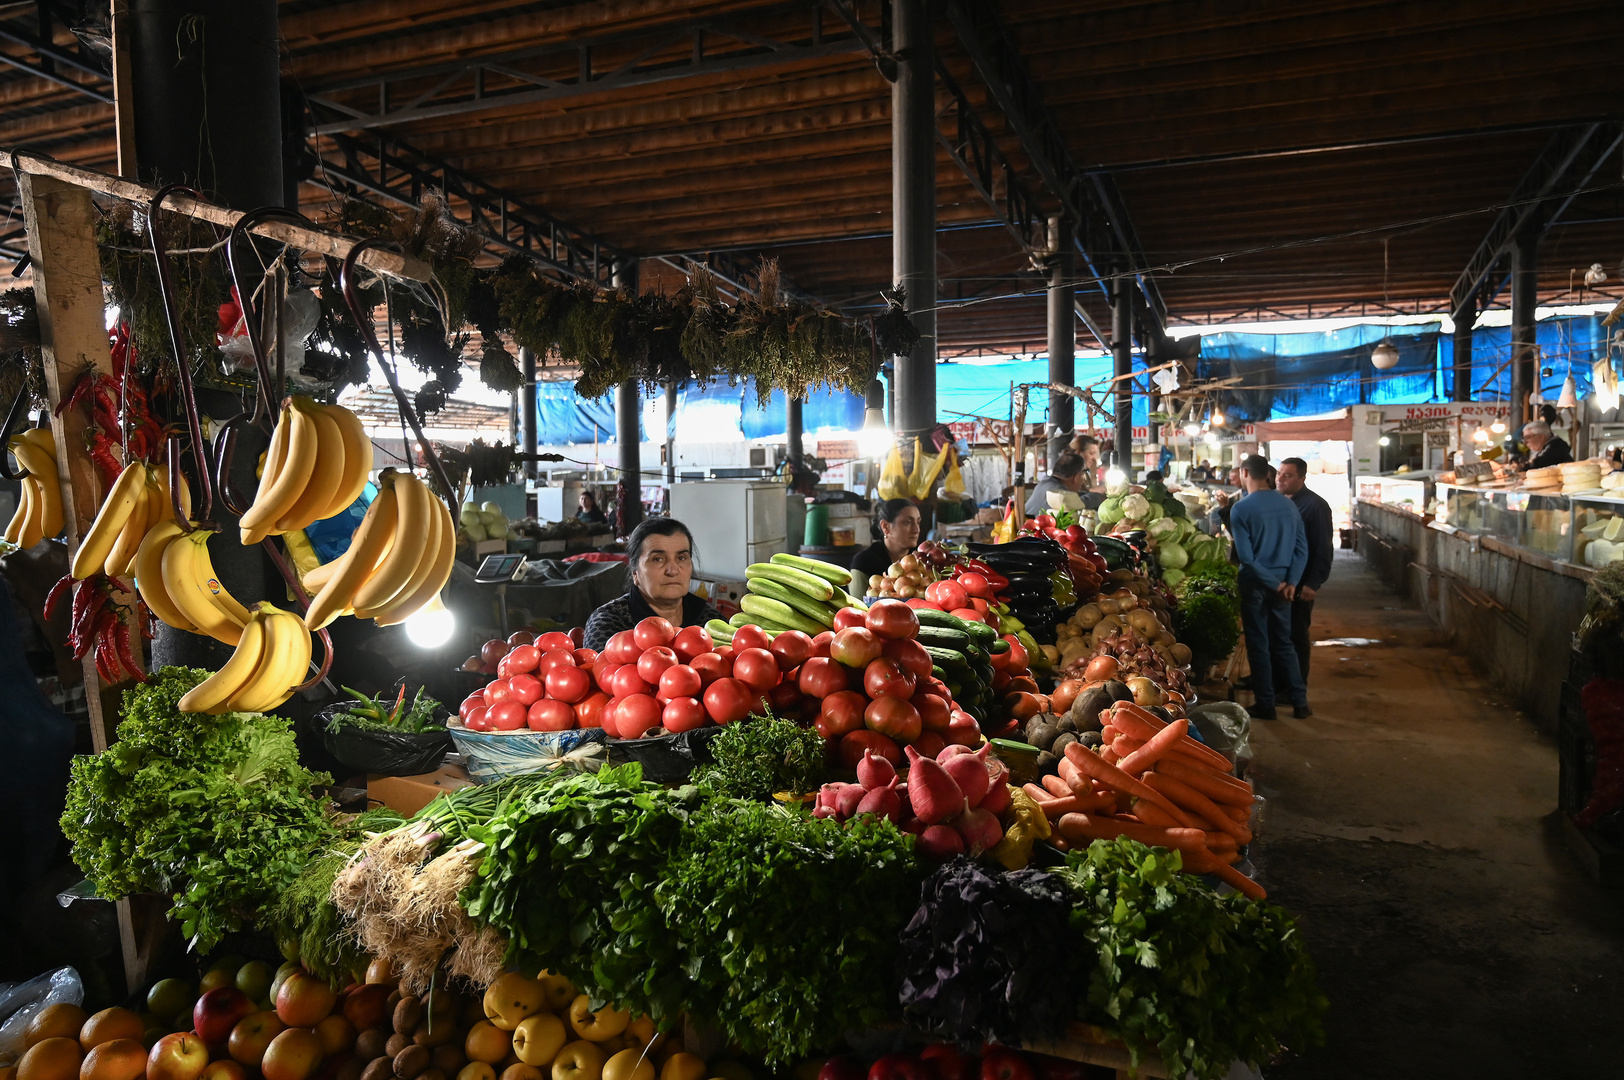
<point>875,438</point>
<point>431,625</point>
<point>1212,438</point>
<point>1384,441</point>
<point>1498,427</point>
<point>1217,419</point>
<point>1114,476</point>
<point>1192,429</point>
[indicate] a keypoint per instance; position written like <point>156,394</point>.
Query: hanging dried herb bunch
<point>894,333</point>
<point>703,342</point>
<point>197,270</point>
<point>19,349</point>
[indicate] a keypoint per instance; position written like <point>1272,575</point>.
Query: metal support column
<point>1524,297</point>
<point>913,208</point>
<point>528,419</point>
<point>792,437</point>
<point>628,409</point>
<point>1062,342</point>
<point>1122,365</point>
<point>1464,322</point>
<point>670,433</point>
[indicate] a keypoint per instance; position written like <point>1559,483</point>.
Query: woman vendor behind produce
<point>660,563</point>
<point>899,534</point>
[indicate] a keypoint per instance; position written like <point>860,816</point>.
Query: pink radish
<point>969,771</point>
<point>979,829</point>
<point>912,825</point>
<point>823,811</point>
<point>940,842</point>
<point>882,801</point>
<point>874,771</point>
<point>996,800</point>
<point>931,791</point>
<point>952,750</point>
<point>827,795</point>
<point>848,798</point>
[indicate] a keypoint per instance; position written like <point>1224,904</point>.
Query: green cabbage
<point>1172,576</point>
<point>1172,556</point>
<point>1110,511</point>
<point>1155,513</point>
<point>1165,529</point>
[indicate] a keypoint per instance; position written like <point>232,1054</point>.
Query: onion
<point>1101,668</point>
<point>1145,692</point>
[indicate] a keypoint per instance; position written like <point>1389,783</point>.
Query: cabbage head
<point>1110,511</point>
<point>1172,556</point>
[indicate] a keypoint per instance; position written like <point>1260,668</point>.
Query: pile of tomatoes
<point>867,684</point>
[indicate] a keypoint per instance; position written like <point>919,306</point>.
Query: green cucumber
<point>720,631</point>
<point>945,639</point>
<point>738,619</point>
<point>948,659</point>
<point>810,584</point>
<point>998,647</point>
<point>812,609</point>
<point>980,631</point>
<point>837,575</point>
<point>781,615</point>
<point>941,619</point>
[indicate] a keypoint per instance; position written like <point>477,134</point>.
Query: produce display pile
<point>1163,520</point>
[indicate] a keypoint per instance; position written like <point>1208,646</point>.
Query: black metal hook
<point>13,416</point>
<point>166,287</point>
<point>302,598</point>
<point>245,301</point>
<point>363,322</point>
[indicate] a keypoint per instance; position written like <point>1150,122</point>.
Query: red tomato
<point>821,643</point>
<point>606,719</point>
<point>690,642</point>
<point>929,744</point>
<point>589,713</point>
<point>976,585</point>
<point>478,719</point>
<point>526,689</point>
<point>784,698</point>
<point>911,655</point>
<point>1017,652</point>
<point>1045,521</point>
<point>934,712</point>
<point>892,619</point>
<point>653,631</point>
<point>728,700</point>
<point>725,652</point>
<point>999,660</point>
<point>821,676</point>
<point>628,682</point>
<point>557,658</point>
<point>969,614</point>
<point>750,637</point>
<point>683,714</point>
<point>497,691</point>
<point>504,667</point>
<point>493,650</point>
<point>852,746</point>
<point>577,636</point>
<point>523,658</point>
<point>979,604</point>
<point>963,730</point>
<point>654,661</point>
<point>568,684</point>
<point>935,686</point>
<point>507,716</point>
<point>549,714</point>
<point>790,649</point>
<point>857,647</point>
<point>557,639</point>
<point>603,674</point>
<point>886,677</point>
<point>756,668</point>
<point>712,666</point>
<point>893,717</point>
<point>841,714</point>
<point>476,700</point>
<point>947,595</point>
<point>622,648</point>
<point>679,681</point>
<point>639,715</point>
<point>846,618</point>
<point>585,657</point>
<point>521,637</point>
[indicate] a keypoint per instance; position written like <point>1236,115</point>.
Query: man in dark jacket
<point>1316,512</point>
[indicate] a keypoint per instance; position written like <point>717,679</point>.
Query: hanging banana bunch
<point>39,511</point>
<point>317,464</point>
<point>271,660</point>
<point>137,504</point>
<point>176,578</point>
<point>398,560</point>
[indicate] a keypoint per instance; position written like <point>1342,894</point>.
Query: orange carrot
<point>1057,788</point>
<point>1095,766</point>
<point>1194,801</point>
<point>1217,788</point>
<point>1220,841</point>
<point>1242,814</point>
<point>1071,804</point>
<point>1151,814</point>
<point>1124,747</point>
<point>1109,733</point>
<point>1132,720</point>
<point>1083,828</point>
<point>1239,881</point>
<point>1106,754</point>
<point>1155,748</point>
<point>1037,793</point>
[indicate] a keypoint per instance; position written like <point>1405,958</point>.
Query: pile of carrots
<point>1152,782</point>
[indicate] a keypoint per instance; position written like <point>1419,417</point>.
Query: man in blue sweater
<point>1273,550</point>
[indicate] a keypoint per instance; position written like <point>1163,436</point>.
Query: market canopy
<point>1313,429</point>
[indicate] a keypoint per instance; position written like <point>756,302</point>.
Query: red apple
<point>180,1056</point>
<point>295,1054</point>
<point>217,1012</point>
<point>224,1069</point>
<point>366,1006</point>
<point>304,1000</point>
<point>252,1035</point>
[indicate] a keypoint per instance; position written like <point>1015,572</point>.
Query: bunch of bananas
<point>138,502</point>
<point>398,560</point>
<point>39,513</point>
<point>176,578</point>
<point>317,464</point>
<point>271,660</point>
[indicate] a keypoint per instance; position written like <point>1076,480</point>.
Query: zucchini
<point>810,584</point>
<point>738,619</point>
<point>948,659</point>
<point>941,619</point>
<point>781,616</point>
<point>945,639</point>
<point>812,609</point>
<point>837,575</point>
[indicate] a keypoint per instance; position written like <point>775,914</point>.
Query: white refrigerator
<point>734,523</point>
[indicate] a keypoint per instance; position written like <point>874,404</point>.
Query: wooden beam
<point>123,89</point>
<point>313,241</point>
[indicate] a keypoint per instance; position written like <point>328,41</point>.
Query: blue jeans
<point>1266,617</point>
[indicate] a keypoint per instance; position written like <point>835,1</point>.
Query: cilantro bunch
<point>1202,978</point>
<point>767,754</point>
<point>213,810</point>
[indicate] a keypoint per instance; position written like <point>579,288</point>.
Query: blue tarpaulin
<point>823,410</point>
<point>566,417</point>
<point>1576,340</point>
<point>983,389</point>
<point>1287,375</point>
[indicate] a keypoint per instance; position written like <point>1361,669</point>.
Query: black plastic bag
<point>380,751</point>
<point>666,759</point>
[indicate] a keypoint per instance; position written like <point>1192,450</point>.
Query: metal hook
<point>303,599</point>
<point>363,322</point>
<point>166,286</point>
<point>18,408</point>
<point>225,451</point>
<point>245,296</point>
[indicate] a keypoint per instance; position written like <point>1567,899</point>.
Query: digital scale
<point>499,570</point>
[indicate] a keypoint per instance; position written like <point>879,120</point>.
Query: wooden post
<point>123,89</point>
<point>61,223</point>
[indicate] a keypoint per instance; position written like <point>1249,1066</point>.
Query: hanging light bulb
<point>1498,427</point>
<point>1569,398</point>
<point>1192,429</point>
<point>1480,436</point>
<point>1217,418</point>
<point>875,438</point>
<point>1115,477</point>
<point>1384,356</point>
<point>431,625</point>
<point>1384,441</point>
<point>1212,438</point>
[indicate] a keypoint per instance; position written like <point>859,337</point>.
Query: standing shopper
<point>1273,550</point>
<point>1316,513</point>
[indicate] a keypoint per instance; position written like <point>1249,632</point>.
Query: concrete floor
<point>1411,828</point>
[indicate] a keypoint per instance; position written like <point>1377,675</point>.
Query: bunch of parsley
<point>1204,979</point>
<point>214,810</point>
<point>763,755</point>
